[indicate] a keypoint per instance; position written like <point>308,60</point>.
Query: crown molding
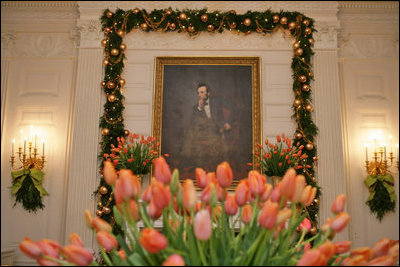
<point>39,4</point>
<point>368,5</point>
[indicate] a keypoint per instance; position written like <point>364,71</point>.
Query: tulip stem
<point>55,260</point>
<point>105,257</point>
<point>200,248</point>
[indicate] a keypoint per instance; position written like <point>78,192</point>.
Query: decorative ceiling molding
<point>39,4</point>
<point>369,5</point>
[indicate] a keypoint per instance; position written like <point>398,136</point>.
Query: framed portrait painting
<point>206,110</point>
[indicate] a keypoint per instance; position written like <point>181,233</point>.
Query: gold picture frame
<point>234,97</point>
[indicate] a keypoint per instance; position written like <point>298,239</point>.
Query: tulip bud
<point>311,257</point>
<point>267,192</point>
<point>342,247</point>
<point>88,218</point>
<point>174,260</point>
<point>122,254</point>
<point>276,194</point>
<point>268,215</point>
<point>74,239</point>
<point>340,222</point>
<point>224,174</point>
<point>288,183</point>
<point>101,225</point>
<point>299,188</point>
<point>382,261</point>
<point>147,194</point>
<point>231,207</point>
<point>201,178</point>
<point>152,240</point>
<point>130,186</point>
<point>134,209</point>
<point>283,215</point>
<point>381,248</point>
<point>107,241</point>
<point>202,225</point>
<point>174,181</point>
<point>327,249</point>
<point>189,196</point>
<point>109,173</point>
<point>305,225</point>
<point>162,171</point>
<point>153,211</point>
<point>30,248</point>
<point>338,204</point>
<point>364,252</point>
<point>256,184</point>
<point>242,193</point>
<point>77,255</point>
<point>160,195</point>
<point>247,213</point>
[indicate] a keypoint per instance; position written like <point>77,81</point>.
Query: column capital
<point>7,42</point>
<point>326,37</point>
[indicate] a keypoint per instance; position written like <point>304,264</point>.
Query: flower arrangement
<point>256,225</point>
<point>276,159</point>
<point>134,153</point>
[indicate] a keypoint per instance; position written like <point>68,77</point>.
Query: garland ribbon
<point>35,174</point>
<point>387,181</point>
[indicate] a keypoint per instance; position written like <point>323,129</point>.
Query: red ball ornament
<point>247,22</point>
<point>298,135</point>
<point>305,88</point>
<point>110,85</point>
<point>210,28</point>
<point>275,18</point>
<point>122,47</point>
<point>204,18</point>
<point>182,16</point>
<point>292,25</point>
<point>298,52</point>
<point>302,79</point>
<point>307,31</point>
<point>109,14</point>
<point>284,20</point>
<point>172,26</point>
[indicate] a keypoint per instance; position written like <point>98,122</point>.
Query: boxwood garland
<point>117,24</point>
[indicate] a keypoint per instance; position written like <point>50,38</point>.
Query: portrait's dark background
<point>231,83</point>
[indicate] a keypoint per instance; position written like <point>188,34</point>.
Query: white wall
<point>38,42</point>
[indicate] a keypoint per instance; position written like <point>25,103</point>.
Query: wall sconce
<point>29,157</point>
<point>381,161</point>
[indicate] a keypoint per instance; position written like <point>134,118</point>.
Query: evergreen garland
<point>29,196</point>
<point>117,24</point>
<point>382,198</point>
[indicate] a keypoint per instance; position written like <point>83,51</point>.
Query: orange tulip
<point>342,247</point>
<point>299,188</point>
<point>109,173</point>
<point>202,225</point>
<point>162,172</point>
<point>77,255</point>
<point>122,254</point>
<point>201,178</point>
<point>268,215</point>
<point>224,174</point>
<point>394,251</point>
<point>152,240</point>
<point>160,194</point>
<point>189,196</point>
<point>247,213</point>
<point>327,249</point>
<point>308,195</point>
<point>338,204</point>
<point>256,182</point>
<point>221,192</point>
<point>276,194</point>
<point>365,252</point>
<point>327,225</point>
<point>174,260</point>
<point>74,239</point>
<point>288,183</point>
<point>382,261</point>
<point>312,257</point>
<point>134,209</point>
<point>267,192</point>
<point>357,260</point>
<point>340,222</point>
<point>107,241</point>
<point>88,218</point>
<point>242,193</point>
<point>153,211</point>
<point>283,215</point>
<point>30,248</point>
<point>381,248</point>
<point>147,194</point>
<point>231,208</point>
<point>130,186</point>
<point>101,225</point>
<point>216,213</point>
<point>46,262</point>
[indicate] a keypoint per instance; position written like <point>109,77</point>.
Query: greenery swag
<point>27,188</point>
<point>382,198</point>
<point>117,24</point>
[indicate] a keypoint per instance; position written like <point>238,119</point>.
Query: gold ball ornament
<point>109,14</point>
<point>182,16</point>
<point>210,28</point>
<point>106,210</point>
<point>316,201</point>
<point>172,26</point>
<point>136,10</point>
<point>102,84</point>
<point>311,41</point>
<point>122,82</point>
<point>233,25</point>
<point>100,204</point>
<point>204,18</point>
<point>309,146</point>
<point>247,22</point>
<point>99,213</point>
<point>297,103</point>
<point>121,33</point>
<point>284,20</point>
<point>103,42</point>
<point>144,26</point>
<point>298,135</point>
<point>305,88</point>
<point>275,18</point>
<point>105,62</point>
<point>313,230</point>
<point>232,11</point>
<point>292,25</point>
<point>112,98</point>
<point>306,22</point>
<point>315,158</point>
<point>191,28</point>
<point>105,131</point>
<point>311,74</point>
<point>111,85</point>
<point>307,31</point>
<point>296,45</point>
<point>114,52</point>
<point>103,190</point>
<point>122,47</point>
<point>169,12</point>
<point>126,132</point>
<point>309,108</point>
<point>302,79</point>
<point>298,52</point>
<point>107,30</point>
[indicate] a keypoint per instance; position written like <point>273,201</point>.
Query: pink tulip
<point>276,194</point>
<point>101,225</point>
<point>382,261</point>
<point>130,186</point>
<point>153,211</point>
<point>152,240</point>
<point>77,255</point>
<point>288,183</point>
<point>267,192</point>
<point>107,241</point>
<point>231,208</point>
<point>340,222</point>
<point>338,204</point>
<point>311,257</point>
<point>160,194</point>
<point>305,225</point>
<point>189,196</point>
<point>202,225</point>
<point>147,194</point>
<point>327,249</point>
<point>201,178</point>
<point>74,239</point>
<point>109,173</point>
<point>381,248</point>
<point>299,188</point>
<point>242,193</point>
<point>342,247</point>
<point>30,248</point>
<point>247,214</point>
<point>256,184</point>
<point>224,174</point>
<point>162,172</point>
<point>268,215</point>
<point>174,260</point>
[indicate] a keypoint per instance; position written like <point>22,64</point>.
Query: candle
<point>24,145</point>
<point>43,147</point>
<point>390,143</point>
<point>35,139</point>
<point>384,151</point>
<point>12,148</point>
<point>366,152</point>
<point>21,133</point>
